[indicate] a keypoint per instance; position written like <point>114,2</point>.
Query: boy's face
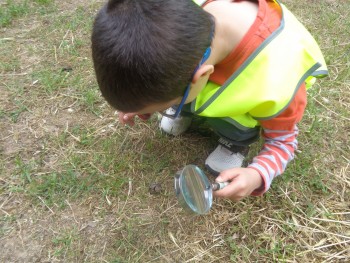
<point>158,107</point>
<point>195,88</point>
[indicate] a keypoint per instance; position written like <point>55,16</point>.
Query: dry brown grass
<point>74,182</point>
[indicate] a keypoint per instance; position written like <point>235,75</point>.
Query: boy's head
<point>145,51</point>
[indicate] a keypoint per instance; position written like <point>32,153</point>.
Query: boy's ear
<point>203,71</point>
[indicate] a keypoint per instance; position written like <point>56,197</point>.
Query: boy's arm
<point>280,135</point>
<point>277,152</point>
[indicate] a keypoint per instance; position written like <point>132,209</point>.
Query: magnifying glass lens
<point>196,189</point>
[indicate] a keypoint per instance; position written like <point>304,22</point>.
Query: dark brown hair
<point>145,51</point>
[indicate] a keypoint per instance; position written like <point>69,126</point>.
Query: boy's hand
<point>243,181</point>
<point>129,118</point>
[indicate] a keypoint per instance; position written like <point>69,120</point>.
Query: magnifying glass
<point>194,191</point>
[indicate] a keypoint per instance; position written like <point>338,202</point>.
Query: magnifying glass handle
<point>218,186</point>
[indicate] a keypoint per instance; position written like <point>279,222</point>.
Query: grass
<point>74,182</point>
<point>11,11</point>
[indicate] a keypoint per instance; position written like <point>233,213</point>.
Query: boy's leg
<point>233,145</point>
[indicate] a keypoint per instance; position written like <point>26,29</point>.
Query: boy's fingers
<point>225,191</point>
<point>229,191</point>
<point>227,175</point>
<point>121,118</point>
<point>127,118</point>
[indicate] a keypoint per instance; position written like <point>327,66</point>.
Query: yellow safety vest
<point>267,81</point>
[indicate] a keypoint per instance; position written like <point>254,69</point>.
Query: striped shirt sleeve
<point>280,135</point>
<point>278,150</point>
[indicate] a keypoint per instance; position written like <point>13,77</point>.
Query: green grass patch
<point>12,9</point>
<point>65,244</point>
<point>44,2</point>
<point>56,188</point>
<point>50,80</point>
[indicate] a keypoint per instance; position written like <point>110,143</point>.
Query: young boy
<point>244,65</point>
